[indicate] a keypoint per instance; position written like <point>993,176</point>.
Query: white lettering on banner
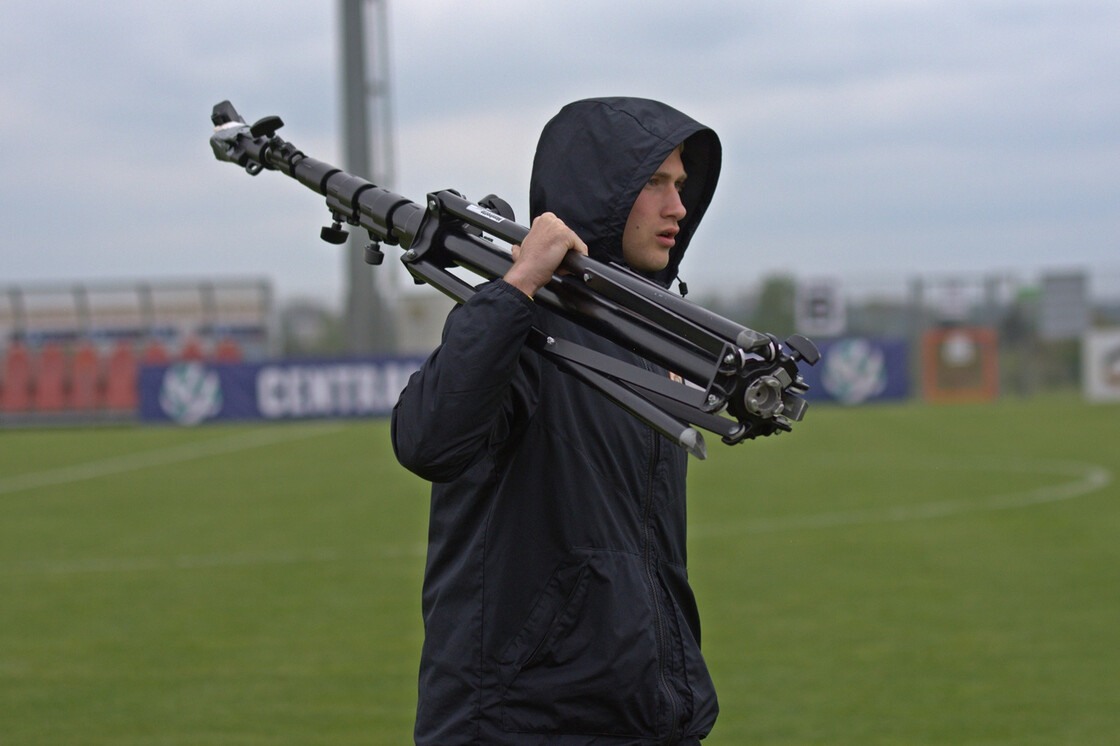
<point>343,389</point>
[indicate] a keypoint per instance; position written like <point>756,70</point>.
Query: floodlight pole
<point>370,322</point>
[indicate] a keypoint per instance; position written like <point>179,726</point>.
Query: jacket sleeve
<point>462,395</point>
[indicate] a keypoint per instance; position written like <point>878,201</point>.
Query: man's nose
<point>674,206</point>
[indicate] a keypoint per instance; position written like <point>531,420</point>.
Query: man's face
<point>651,230</point>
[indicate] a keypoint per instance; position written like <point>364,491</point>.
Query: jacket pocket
<point>586,659</point>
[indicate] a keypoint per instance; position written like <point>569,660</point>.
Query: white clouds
<point>478,153</point>
<point>983,131</point>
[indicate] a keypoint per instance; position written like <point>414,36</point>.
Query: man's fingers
<point>541,253</point>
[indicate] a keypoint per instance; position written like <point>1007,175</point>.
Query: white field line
<point>1086,478</point>
<point>172,455</point>
<point>194,562</point>
<point>160,457</point>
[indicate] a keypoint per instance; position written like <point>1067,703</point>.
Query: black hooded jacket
<point>556,602</point>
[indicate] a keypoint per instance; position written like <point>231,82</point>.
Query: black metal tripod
<point>743,384</point>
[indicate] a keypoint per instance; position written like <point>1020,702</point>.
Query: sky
<point>874,138</point>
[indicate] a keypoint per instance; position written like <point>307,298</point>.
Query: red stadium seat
<point>120,379</point>
<point>154,353</point>
<point>50,379</point>
<point>15,385</point>
<point>191,350</point>
<point>227,351</point>
<point>85,378</point>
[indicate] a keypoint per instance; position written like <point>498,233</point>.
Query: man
<point>556,602</point>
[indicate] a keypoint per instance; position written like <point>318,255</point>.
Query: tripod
<point>741,384</point>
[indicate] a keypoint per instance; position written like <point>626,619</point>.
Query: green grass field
<point>888,575</point>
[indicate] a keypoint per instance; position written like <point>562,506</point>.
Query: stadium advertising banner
<point>819,309</point>
<point>960,364</point>
<point>189,393</point>
<point>858,370</point>
<point>1100,368</point>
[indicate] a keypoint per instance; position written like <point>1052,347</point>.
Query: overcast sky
<point>875,137</point>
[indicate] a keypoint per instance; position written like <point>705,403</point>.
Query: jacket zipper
<point>654,587</point>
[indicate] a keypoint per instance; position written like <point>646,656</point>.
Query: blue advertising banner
<point>189,393</point>
<point>856,370</point>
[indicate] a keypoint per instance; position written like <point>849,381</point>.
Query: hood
<point>594,157</point>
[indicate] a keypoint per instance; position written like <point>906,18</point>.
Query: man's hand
<point>540,254</point>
